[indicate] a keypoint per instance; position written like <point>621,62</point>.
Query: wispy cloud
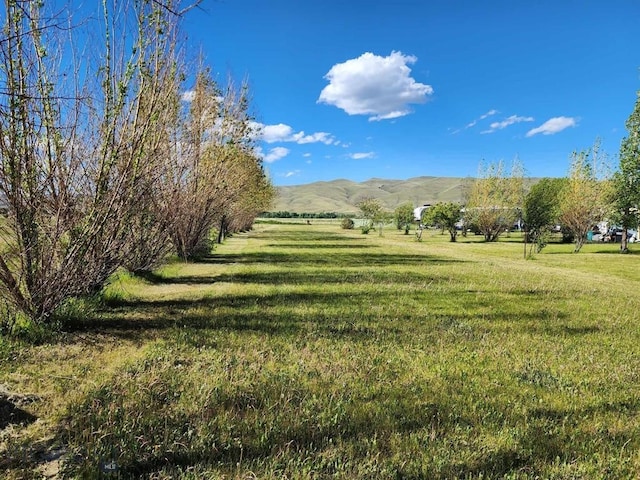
<point>474,122</point>
<point>361,155</point>
<point>481,117</point>
<point>553,126</point>
<point>512,120</point>
<point>381,87</point>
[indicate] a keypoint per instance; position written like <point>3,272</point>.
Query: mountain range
<point>342,196</point>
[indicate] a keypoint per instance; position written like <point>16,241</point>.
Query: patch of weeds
<point>9,318</point>
<point>37,333</point>
<point>77,310</point>
<point>115,294</point>
<point>541,378</point>
<point>457,327</point>
<point>7,349</point>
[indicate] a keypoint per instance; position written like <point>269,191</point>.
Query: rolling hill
<point>342,196</point>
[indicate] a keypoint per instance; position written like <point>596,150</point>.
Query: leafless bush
<point>76,157</point>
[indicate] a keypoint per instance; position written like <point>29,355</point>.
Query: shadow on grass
<point>11,414</point>
<point>303,426</point>
<point>307,277</point>
<point>548,437</point>
<point>319,246</point>
<point>134,318</point>
<point>303,236</point>
<point>338,259</point>
<point>562,330</point>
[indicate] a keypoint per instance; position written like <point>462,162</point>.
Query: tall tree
<point>583,198</point>
<point>495,199</point>
<point>626,181</point>
<point>541,210</point>
<point>213,166</point>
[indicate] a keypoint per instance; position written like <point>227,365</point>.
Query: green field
<point>307,351</point>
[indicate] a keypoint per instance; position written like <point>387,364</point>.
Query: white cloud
<point>322,137</point>
<point>306,155</point>
<point>513,119</point>
<point>361,155</point>
<point>188,96</point>
<point>284,133</point>
<point>275,133</point>
<point>291,174</point>
<point>372,85</point>
<point>274,154</point>
<point>553,125</point>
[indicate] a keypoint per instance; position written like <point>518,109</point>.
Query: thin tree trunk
<point>624,242</point>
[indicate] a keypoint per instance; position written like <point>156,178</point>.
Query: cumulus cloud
<point>274,154</point>
<point>552,126</point>
<point>292,173</point>
<point>274,133</point>
<point>284,133</point>
<point>373,85</point>
<point>513,119</point>
<point>361,155</point>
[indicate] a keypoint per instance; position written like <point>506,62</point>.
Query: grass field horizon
<point>308,351</point>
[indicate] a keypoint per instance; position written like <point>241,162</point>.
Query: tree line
<point>116,150</point>
<point>499,199</point>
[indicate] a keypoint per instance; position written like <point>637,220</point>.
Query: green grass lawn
<point>307,351</point>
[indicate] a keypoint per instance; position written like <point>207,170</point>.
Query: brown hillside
<point>341,196</point>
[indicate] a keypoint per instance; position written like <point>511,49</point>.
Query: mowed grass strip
<point>306,351</point>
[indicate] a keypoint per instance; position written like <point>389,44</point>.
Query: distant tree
<point>495,199</point>
<point>541,210</point>
<point>626,181</point>
<point>445,216</point>
<point>371,210</point>
<point>404,217</point>
<point>583,198</point>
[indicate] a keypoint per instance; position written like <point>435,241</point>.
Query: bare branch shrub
<point>75,160</point>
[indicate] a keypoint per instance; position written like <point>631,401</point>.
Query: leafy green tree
<point>495,199</point>
<point>583,199</point>
<point>541,210</point>
<point>373,213</point>
<point>626,181</point>
<point>404,217</point>
<point>446,216</point>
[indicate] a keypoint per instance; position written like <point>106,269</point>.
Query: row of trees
<point>588,195</point>
<point>105,161</point>
<point>287,214</point>
<point>499,199</point>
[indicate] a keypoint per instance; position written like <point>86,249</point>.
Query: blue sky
<point>359,89</point>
